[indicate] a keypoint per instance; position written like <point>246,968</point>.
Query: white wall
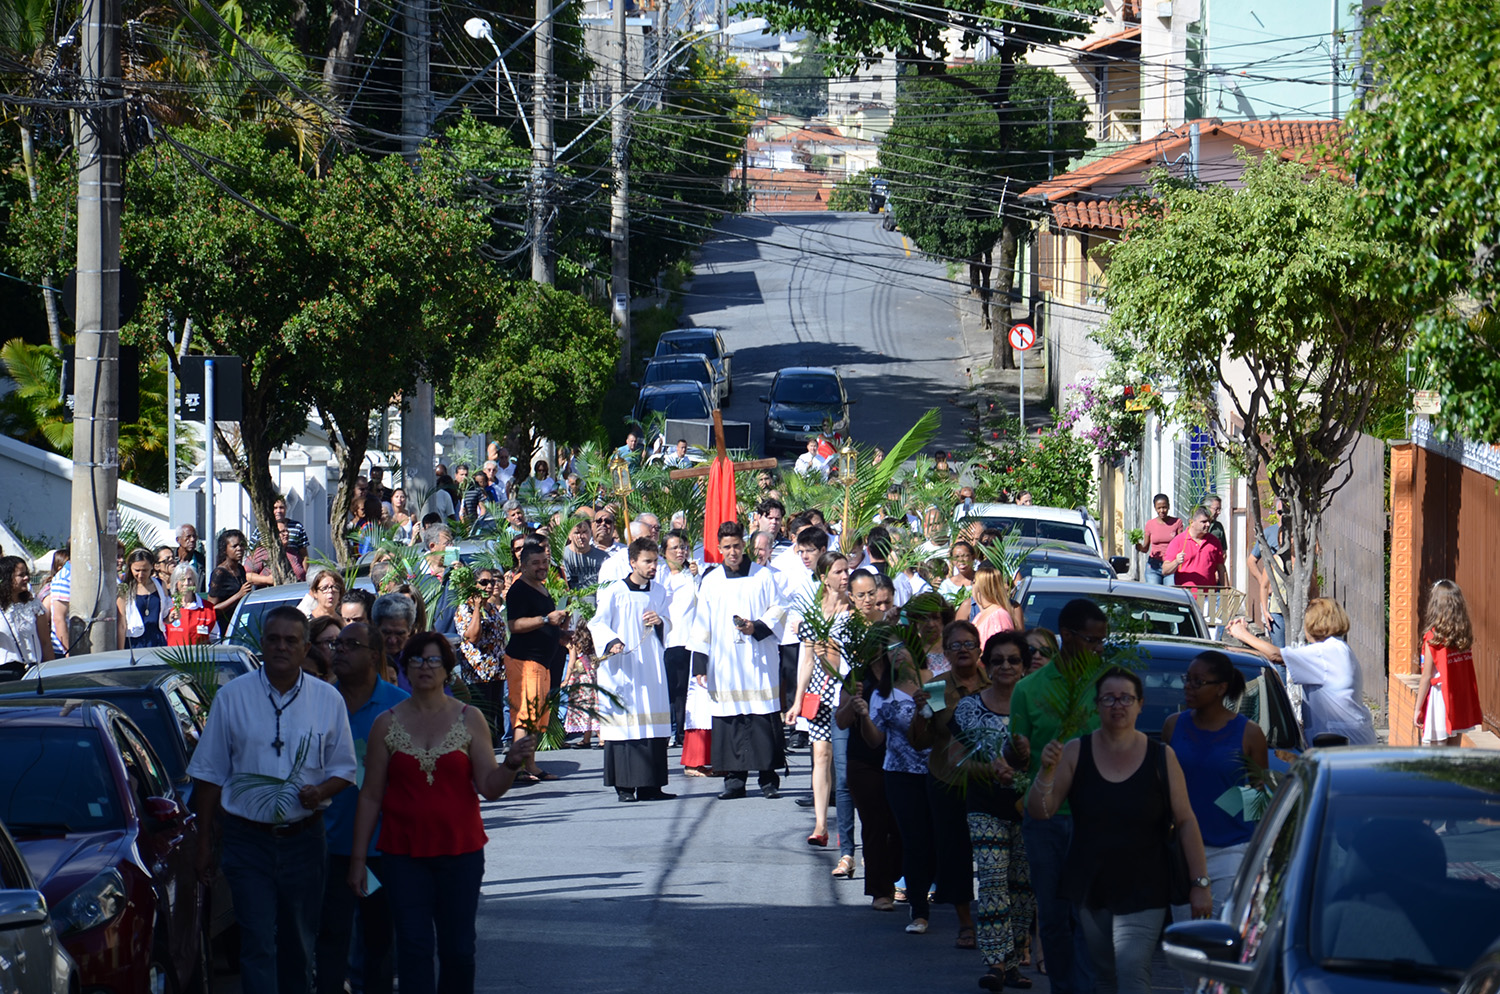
<point>37,495</point>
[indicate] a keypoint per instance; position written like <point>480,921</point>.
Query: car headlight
<point>775,425</point>
<point>96,903</point>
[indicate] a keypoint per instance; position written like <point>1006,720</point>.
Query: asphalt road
<point>834,290</point>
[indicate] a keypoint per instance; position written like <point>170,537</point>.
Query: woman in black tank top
<point>1125,792</point>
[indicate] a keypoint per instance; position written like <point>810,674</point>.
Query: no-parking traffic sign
<point>1022,336</point>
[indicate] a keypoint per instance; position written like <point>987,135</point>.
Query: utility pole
<point>96,415</point>
<point>418,426</point>
<point>543,264</point>
<point>619,221</point>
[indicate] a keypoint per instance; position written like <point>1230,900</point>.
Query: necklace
<point>270,696</point>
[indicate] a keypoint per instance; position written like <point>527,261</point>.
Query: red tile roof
<point>1128,34</point>
<point>1090,215</point>
<point>775,191</point>
<point>1287,137</point>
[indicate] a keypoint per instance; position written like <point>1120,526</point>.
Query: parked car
<point>686,400</point>
<point>228,660</point>
<point>167,706</point>
<point>803,401</point>
<point>1042,560</point>
<point>1375,870</point>
<point>1162,664</point>
<point>111,843</point>
<point>1056,524</point>
<point>250,612</point>
<point>702,341</point>
<point>1145,608</point>
<point>32,957</point>
<point>682,366</point>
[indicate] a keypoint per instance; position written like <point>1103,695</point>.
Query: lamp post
<point>478,28</point>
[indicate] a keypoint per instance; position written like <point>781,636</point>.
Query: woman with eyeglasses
<point>327,592</point>
<point>960,580</point>
<point>427,758</point>
<point>930,613</point>
<point>1125,792</point>
<point>988,757</point>
<point>166,560</point>
<point>481,629</point>
<point>322,633</point>
<point>1220,751</point>
<point>1043,647</point>
<point>954,878</point>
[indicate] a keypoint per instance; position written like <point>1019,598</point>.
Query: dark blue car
<point>1375,870</point>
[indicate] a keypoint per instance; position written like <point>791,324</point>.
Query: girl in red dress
<point>1448,695</point>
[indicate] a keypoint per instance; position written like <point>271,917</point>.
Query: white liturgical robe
<point>637,676</point>
<point>743,671</point>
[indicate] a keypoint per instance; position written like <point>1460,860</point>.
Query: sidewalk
<point>989,384</point>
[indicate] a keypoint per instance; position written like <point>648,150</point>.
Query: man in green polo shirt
<point>1082,629</point>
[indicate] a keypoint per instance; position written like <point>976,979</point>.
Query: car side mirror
<point>1327,740</point>
<point>852,400</point>
<point>22,909</point>
<point>727,355</point>
<point>164,810</point>
<point>635,385</point>
<point>1121,565</point>
<point>1209,950</point>
<point>764,399</point>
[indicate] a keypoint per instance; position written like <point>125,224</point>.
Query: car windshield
<point>668,369</point>
<point>1134,615</point>
<point>821,391</point>
<point>705,344</point>
<point>675,405</point>
<point>1048,531</point>
<point>1042,566</point>
<point>1409,884</point>
<point>56,780</point>
<point>161,728</point>
<point>1261,702</point>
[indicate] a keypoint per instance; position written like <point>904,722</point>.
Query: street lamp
<point>478,28</point>
<point>619,471</point>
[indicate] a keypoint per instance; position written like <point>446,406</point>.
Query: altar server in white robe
<point>635,709</point>
<point>738,624</point>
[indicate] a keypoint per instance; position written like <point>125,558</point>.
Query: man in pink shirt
<point>1194,557</point>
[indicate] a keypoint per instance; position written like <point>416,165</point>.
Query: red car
<point>110,842</point>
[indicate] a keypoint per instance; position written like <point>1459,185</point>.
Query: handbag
<point>1179,877</point>
<point>810,705</point>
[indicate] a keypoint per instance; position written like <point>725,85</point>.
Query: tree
<point>953,167</point>
<point>852,193</point>
<point>801,89</point>
<point>1284,282</point>
<point>541,369</point>
<point>1425,148</point>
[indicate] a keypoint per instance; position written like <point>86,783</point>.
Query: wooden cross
<point>739,467</point>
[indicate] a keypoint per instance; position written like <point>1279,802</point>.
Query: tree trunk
<point>254,474</point>
<point>349,447</point>
<point>49,299</point>
<point>1004,355</point>
<point>346,22</point>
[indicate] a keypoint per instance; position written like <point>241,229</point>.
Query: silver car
<point>32,959</point>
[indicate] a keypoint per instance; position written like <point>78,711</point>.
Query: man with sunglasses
<point>358,661</point>
<point>1084,629</point>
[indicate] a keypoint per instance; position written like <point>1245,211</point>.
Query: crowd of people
<point>941,766</point>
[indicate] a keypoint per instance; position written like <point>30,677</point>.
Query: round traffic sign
<point>1022,336</point>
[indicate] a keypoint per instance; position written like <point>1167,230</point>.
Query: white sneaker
<point>918,926</point>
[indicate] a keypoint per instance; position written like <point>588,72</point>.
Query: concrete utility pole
<point>543,264</point>
<point>418,427</point>
<point>619,222</point>
<point>96,384</point>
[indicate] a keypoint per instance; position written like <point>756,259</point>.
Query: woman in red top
<point>191,620</point>
<point>1448,695</point>
<point>426,758</point>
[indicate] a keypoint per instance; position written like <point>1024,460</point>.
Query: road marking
<point>906,246</point>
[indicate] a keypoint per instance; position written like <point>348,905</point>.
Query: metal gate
<point>1352,566</point>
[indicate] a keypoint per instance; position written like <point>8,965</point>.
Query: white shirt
<point>616,567</point>
<point>503,478</point>
<point>1332,690</point>
<point>237,744</point>
<point>19,641</point>
<point>682,595</point>
<point>807,462</point>
<point>797,587</point>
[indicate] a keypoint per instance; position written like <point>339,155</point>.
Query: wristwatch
<point>1203,882</point>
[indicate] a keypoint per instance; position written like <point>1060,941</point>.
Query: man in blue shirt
<point>358,659</point>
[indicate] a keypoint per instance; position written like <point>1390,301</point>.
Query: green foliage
<point>197,662</point>
<point>852,193</point>
<point>1425,147</point>
<point>1275,300</point>
<point>542,368</point>
<point>952,158</point>
<point>1053,465</point>
<point>801,89</point>
<point>269,794</point>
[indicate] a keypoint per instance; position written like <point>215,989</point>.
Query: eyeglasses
<point>1005,661</point>
<point>327,643</point>
<point>167,561</point>
<point>1116,700</point>
<point>961,646</point>
<point>425,662</point>
<point>604,521</point>
<point>349,645</point>
<point>484,583</point>
<point>1088,639</point>
<point>1041,650</point>
<point>1195,684</point>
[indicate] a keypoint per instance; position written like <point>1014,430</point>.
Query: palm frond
<point>867,495</point>
<point>264,792</point>
<point>544,720</point>
<point>196,662</point>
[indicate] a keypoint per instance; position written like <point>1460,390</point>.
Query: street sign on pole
<point>228,402</point>
<point>1022,337</point>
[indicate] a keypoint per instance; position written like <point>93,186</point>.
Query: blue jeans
<point>277,885</point>
<point>1152,575</point>
<point>1276,629</point>
<point>336,936</point>
<point>434,901</point>
<point>842,799</point>
<point>1063,945</point>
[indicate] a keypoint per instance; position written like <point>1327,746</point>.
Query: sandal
<point>966,938</point>
<point>845,868</point>
<point>993,980</point>
<point>1013,978</point>
<point>541,775</point>
<point>818,839</point>
<point>524,777</point>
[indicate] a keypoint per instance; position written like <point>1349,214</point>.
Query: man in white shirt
<point>276,749</point>
<point>504,472</point>
<point>810,461</point>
